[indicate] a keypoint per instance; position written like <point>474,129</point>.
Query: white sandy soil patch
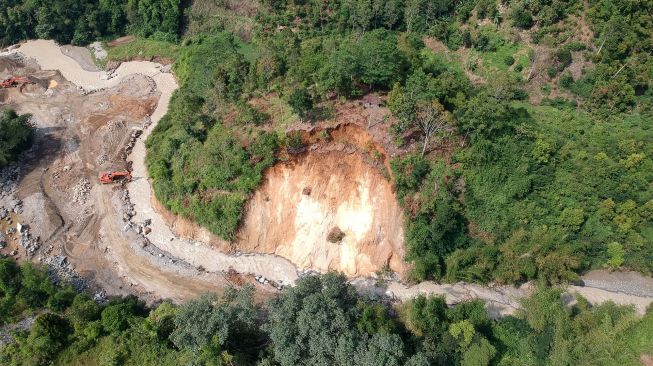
<point>300,202</point>
<point>82,56</point>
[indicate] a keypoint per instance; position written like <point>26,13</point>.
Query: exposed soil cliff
<point>331,207</point>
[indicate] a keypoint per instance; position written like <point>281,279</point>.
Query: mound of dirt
<point>294,213</point>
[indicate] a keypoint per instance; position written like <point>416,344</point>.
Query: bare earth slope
<point>303,200</point>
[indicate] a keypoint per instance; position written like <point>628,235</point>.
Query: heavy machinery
<point>15,81</point>
<point>115,177</point>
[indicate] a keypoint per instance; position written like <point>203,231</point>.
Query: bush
<point>552,71</point>
<point>10,277</point>
<point>154,17</point>
<point>300,102</point>
<point>521,18</point>
<point>115,318</point>
<point>566,80</point>
<point>48,336</point>
<point>509,60</point>
<point>16,135</point>
<point>294,141</point>
<point>482,43</point>
<point>563,58</point>
<point>467,38</point>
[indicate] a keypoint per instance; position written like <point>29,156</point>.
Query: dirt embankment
<point>331,207</point>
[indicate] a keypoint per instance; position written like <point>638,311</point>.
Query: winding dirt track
<point>119,250</point>
<point>142,271</point>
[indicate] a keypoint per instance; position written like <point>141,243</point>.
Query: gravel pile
<point>30,243</point>
<point>8,180</point>
<point>101,159</point>
<point>61,271</point>
<point>81,191</point>
<point>132,140</point>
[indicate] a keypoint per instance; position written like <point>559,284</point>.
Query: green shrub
<point>521,18</point>
<point>16,135</point>
<point>509,60</point>
<point>294,141</point>
<point>563,58</point>
<point>566,80</point>
<point>300,102</point>
<point>615,255</point>
<point>552,71</point>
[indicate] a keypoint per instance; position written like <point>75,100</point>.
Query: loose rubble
<point>81,191</point>
<point>30,243</point>
<point>98,51</point>
<point>61,271</point>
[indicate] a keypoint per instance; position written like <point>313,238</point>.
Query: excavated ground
<point>331,207</point>
<point>79,225</point>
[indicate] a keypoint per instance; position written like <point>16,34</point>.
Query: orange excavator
<point>114,177</point>
<point>14,81</point>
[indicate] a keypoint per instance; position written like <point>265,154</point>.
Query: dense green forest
<point>321,321</point>
<point>16,135</point>
<point>83,21</point>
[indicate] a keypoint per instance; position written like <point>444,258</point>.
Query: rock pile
<point>100,160</point>
<point>8,179</point>
<point>27,241</point>
<point>144,228</point>
<point>147,122</point>
<point>12,205</point>
<point>61,271</point>
<point>132,140</point>
<point>101,297</point>
<point>81,191</point>
<point>98,51</point>
<point>264,281</point>
<point>16,206</point>
<point>127,208</point>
